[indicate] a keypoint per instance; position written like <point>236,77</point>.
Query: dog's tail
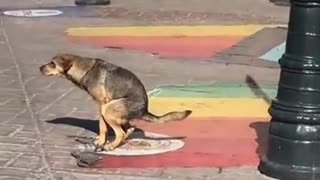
<point>171,116</point>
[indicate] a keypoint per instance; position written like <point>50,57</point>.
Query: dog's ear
<point>65,61</point>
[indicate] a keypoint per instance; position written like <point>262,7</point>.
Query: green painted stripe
<point>214,90</point>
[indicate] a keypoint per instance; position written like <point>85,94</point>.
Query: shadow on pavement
<point>281,2</point>
<point>92,125</point>
<point>261,128</point>
<point>257,90</point>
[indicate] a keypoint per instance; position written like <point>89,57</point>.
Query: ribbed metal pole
<point>294,136</point>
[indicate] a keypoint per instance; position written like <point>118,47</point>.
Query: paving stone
<point>64,165</point>
<point>2,38</point>
<point>5,157</point>
<point>69,94</point>
<point>40,83</point>
<point>52,148</point>
<point>14,111</point>
<point>59,159</point>
<point>3,162</point>
<point>19,148</point>
<point>80,176</point>
<point>31,162</point>
<point>248,173</point>
<point>16,141</point>
<point>11,93</point>
<point>13,178</point>
<point>9,81</point>
<point>9,115</point>
<point>48,108</point>
<point>190,173</point>
<point>26,135</point>
<point>6,56</point>
<point>60,140</point>
<point>26,124</point>
<point>16,173</point>
<point>147,172</point>
<point>65,107</point>
<point>13,103</point>
<point>6,130</point>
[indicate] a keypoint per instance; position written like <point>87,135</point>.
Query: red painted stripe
<point>187,158</point>
<point>188,47</point>
<point>218,143</point>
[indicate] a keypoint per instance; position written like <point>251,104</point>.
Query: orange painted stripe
<point>165,46</point>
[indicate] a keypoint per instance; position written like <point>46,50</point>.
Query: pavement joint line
<point>13,117</point>
<point>19,169</point>
<point>78,171</point>
<point>28,105</point>
<point>29,79</point>
<point>5,102</point>
<point>33,96</point>
<point>53,102</point>
<point>16,131</point>
<point>49,85</point>
<point>7,69</point>
<point>11,161</point>
<point>10,82</point>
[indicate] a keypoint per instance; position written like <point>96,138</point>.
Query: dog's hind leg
<point>128,128</point>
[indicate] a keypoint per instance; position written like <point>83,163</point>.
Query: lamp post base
<point>286,172</point>
<point>91,2</point>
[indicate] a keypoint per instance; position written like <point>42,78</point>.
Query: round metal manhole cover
<point>33,13</point>
<point>135,146</point>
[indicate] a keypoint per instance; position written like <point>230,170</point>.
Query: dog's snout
<point>41,68</point>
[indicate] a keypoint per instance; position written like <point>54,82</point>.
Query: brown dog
<point>120,95</point>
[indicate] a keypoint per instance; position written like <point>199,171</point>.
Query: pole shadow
<point>261,128</point>
<point>285,3</point>
<point>257,90</point>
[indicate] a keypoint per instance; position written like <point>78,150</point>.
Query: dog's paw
<point>109,147</point>
<point>97,137</point>
<point>99,141</point>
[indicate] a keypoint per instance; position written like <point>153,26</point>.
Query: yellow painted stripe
<point>203,30</point>
<point>211,107</point>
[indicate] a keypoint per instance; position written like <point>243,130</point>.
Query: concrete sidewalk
<point>32,148</point>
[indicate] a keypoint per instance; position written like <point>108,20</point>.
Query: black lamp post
<point>91,2</point>
<point>294,136</point>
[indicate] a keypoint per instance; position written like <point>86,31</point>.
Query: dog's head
<point>58,66</point>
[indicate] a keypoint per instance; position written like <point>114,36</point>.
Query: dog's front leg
<point>103,130</point>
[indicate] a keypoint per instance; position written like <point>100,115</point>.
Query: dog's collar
<point>85,74</point>
<point>66,70</point>
<point>78,82</point>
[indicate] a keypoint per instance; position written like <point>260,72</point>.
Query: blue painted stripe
<point>275,53</point>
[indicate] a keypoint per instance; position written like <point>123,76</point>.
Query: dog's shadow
<point>93,126</point>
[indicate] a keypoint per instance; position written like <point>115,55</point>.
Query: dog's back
<point>119,82</point>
